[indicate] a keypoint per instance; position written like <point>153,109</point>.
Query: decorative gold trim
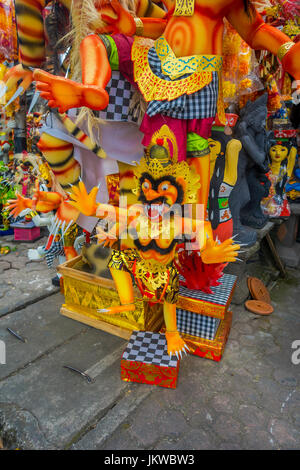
<point>284,49</point>
<point>155,88</point>
<point>174,67</point>
<point>184,8</point>
<point>139,25</point>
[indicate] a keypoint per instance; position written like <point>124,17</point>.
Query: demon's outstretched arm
<point>260,35</point>
<point>121,21</point>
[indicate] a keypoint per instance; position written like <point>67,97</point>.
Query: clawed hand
<point>82,201</point>
<point>118,19</point>
<point>106,238</point>
<point>16,206</point>
<point>216,252</point>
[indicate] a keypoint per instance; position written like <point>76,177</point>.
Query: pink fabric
<point>149,124</point>
<point>180,127</point>
<point>124,46</point>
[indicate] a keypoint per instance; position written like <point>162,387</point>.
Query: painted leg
<point>60,157</point>
<point>175,343</point>
<point>124,287</point>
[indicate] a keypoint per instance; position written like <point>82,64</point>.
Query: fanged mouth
<point>154,211</point>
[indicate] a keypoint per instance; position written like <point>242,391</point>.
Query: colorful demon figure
<point>149,232</point>
<point>46,202</point>
<point>34,39</point>
<point>178,74</point>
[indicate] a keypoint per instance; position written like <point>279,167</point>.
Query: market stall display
<point>171,124</point>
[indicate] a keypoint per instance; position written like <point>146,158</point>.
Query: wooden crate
<point>85,293</point>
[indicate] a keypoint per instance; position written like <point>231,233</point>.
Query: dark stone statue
<point>252,185</point>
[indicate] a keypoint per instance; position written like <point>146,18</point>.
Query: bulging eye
<point>164,186</point>
<point>146,185</point>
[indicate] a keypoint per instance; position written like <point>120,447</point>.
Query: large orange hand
<point>15,206</point>
<point>118,19</point>
<point>15,74</point>
<point>215,252</point>
<point>82,201</point>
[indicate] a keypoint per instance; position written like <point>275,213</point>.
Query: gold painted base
<point>85,293</point>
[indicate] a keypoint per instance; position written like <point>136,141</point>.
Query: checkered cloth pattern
<point>56,250</point>
<point>197,325</point>
<point>120,93</point>
<point>220,294</point>
<point>199,105</point>
<point>149,348</point>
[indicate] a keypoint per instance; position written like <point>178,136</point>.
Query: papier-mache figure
<point>149,232</point>
<point>283,156</point>
<point>46,202</point>
<point>63,241</point>
<point>73,150</point>
<point>178,74</point>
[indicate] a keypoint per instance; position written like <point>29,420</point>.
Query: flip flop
<point>259,307</point>
<point>258,290</point>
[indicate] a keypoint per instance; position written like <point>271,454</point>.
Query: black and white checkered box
<point>220,295</point>
<point>149,348</point>
<point>195,324</point>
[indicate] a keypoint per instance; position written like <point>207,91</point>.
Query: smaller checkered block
<point>220,295</point>
<point>149,348</point>
<point>195,324</point>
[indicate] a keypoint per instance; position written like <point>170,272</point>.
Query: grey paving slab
<point>63,402</point>
<point>22,281</point>
<point>43,328</point>
<point>249,400</point>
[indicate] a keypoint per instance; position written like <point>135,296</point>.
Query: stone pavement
<point>23,281</point>
<point>249,400</point>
